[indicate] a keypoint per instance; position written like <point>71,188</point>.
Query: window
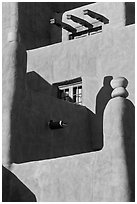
<point>71,90</point>
<point>77,94</point>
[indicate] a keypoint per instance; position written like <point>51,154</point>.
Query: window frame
<point>71,85</point>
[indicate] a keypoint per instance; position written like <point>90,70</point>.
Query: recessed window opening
<point>71,90</point>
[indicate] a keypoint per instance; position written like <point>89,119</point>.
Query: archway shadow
<point>13,190</point>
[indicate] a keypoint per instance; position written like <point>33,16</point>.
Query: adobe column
<point>118,128</point>
<point>14,61</point>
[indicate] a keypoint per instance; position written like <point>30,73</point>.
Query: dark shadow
<point>65,6</point>
<point>34,22</point>
<point>130,13</point>
<point>32,139</point>
<point>13,190</point>
<point>129,140</point>
<point>103,96</point>
<point>36,83</point>
<point>97,16</point>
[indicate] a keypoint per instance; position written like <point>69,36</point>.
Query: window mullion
<point>71,91</point>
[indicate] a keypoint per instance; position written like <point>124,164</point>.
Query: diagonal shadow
<point>33,140</point>
<point>13,190</point>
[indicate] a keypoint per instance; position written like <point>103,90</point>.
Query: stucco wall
<point>34,21</point>
<point>9,14</point>
<point>110,53</point>
<point>33,140</point>
<point>89,176</point>
<point>106,175</point>
<point>14,60</point>
<point>113,11</point>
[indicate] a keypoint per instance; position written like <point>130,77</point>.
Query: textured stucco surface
<point>34,21</point>
<point>107,175</point>
<point>108,10</point>
<point>110,53</point>
<point>9,21</point>
<point>96,176</point>
<point>14,61</point>
<point>33,140</point>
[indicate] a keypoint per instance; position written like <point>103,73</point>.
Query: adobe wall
<point>80,177</point>
<point>110,53</point>
<point>113,11</point>
<point>106,175</point>
<point>103,176</point>
<point>14,60</point>
<point>34,140</point>
<point>34,21</point>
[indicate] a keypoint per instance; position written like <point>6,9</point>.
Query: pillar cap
<point>119,82</point>
<point>119,91</point>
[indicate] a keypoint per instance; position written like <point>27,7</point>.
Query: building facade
<point>68,129</point>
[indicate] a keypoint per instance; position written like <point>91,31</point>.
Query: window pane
<point>66,91</point>
<point>77,94</point>
<point>80,90</point>
<point>72,92</point>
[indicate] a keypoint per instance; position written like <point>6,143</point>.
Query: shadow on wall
<point>13,190</point>
<point>32,139</point>
<point>34,82</point>
<point>130,13</point>
<point>34,22</point>
<point>129,140</point>
<point>103,96</point>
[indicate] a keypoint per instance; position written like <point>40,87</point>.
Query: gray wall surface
<point>34,21</point>
<point>33,139</point>
<point>110,53</point>
<point>104,175</point>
